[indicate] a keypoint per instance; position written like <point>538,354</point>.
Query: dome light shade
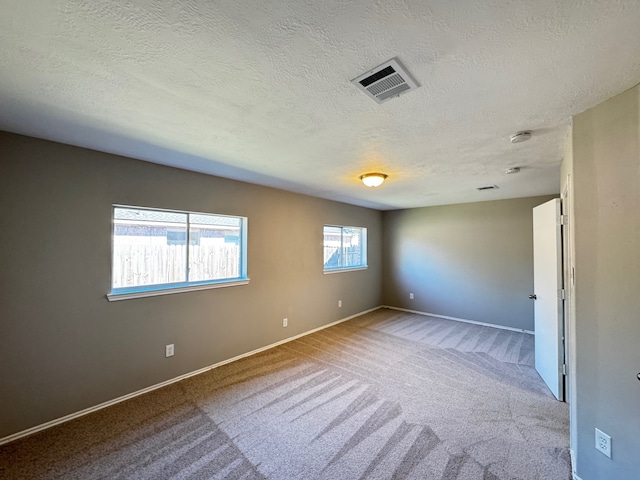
<point>521,136</point>
<point>373,179</point>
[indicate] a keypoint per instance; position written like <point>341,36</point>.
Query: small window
<point>345,248</point>
<point>164,251</point>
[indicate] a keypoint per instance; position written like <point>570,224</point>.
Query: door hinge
<point>562,220</point>
<point>561,294</point>
<point>564,368</point>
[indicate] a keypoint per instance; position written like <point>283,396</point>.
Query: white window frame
<point>363,254</point>
<point>125,293</point>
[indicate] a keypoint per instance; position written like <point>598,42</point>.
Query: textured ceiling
<point>260,91</point>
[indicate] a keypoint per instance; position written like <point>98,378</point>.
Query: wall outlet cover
<point>603,443</point>
<point>168,350</point>
<point>285,322</point>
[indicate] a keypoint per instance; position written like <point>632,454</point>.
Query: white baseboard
<point>108,403</point>
<point>460,319</point>
<point>574,475</point>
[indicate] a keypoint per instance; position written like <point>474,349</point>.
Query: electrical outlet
<point>168,350</point>
<point>339,303</point>
<point>603,443</point>
<point>285,322</point>
<point>411,296</point>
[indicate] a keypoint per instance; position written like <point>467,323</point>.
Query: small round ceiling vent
<point>519,137</point>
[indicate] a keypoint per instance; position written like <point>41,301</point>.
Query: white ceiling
<point>261,92</point>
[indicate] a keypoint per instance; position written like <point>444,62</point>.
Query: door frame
<point>569,280</point>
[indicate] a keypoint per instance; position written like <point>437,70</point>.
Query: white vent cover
<point>386,81</point>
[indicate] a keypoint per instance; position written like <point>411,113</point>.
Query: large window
<point>345,248</point>
<point>164,251</point>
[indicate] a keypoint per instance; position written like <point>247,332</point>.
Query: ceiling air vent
<point>385,82</point>
<point>489,187</point>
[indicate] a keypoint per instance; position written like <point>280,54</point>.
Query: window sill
<point>114,297</point>
<point>342,270</point>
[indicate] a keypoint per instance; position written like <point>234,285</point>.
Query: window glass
<point>214,248</point>
<point>344,247</point>
<point>159,249</point>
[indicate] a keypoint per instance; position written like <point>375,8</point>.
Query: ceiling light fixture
<point>373,179</point>
<point>521,136</point>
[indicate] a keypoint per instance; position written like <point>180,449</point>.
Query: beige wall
<point>472,261</point>
<point>64,347</point>
<point>606,231</point>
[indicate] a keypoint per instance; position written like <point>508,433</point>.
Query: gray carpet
<point>387,395</point>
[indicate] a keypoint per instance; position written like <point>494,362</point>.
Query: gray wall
<point>606,183</point>
<point>64,347</point>
<point>472,261</point>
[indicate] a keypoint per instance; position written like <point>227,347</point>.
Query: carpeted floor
<point>387,395</point>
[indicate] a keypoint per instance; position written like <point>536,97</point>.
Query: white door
<point>547,272</point>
